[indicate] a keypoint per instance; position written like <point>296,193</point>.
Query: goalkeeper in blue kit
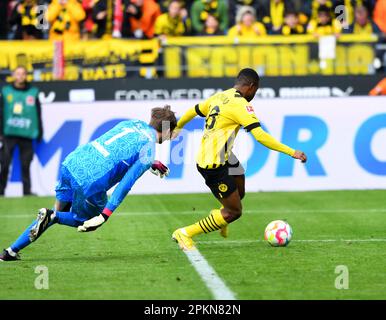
<point>118,157</point>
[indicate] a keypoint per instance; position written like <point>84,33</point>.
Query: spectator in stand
<point>311,8</point>
<point>130,11</point>
<point>379,89</point>
<point>324,24</point>
<point>87,25</point>
<point>6,9</point>
<point>291,24</point>
<point>235,5</point>
<point>298,7</point>
<point>363,23</point>
<point>104,17</point>
<point>201,9</point>
<point>173,23</point>
<point>212,27</point>
<point>247,26</point>
<point>379,15</point>
<point>273,13</point>
<point>64,17</point>
<point>25,19</point>
<point>349,7</point>
<point>164,5</point>
<point>4,19</point>
<point>139,18</point>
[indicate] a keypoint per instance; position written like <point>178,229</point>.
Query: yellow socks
<point>213,222</point>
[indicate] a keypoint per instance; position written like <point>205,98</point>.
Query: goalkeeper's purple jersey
<point>121,155</point>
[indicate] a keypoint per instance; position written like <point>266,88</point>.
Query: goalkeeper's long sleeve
<point>270,142</point>
<point>125,185</point>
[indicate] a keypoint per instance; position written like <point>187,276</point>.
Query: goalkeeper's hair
<point>162,118</point>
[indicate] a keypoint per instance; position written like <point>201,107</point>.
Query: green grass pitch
<point>132,256</point>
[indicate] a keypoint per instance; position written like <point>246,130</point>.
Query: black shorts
<point>221,180</point>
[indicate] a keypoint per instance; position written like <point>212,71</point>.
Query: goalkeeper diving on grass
<point>225,112</point>
<point>118,157</point>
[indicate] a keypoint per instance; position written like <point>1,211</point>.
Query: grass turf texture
<point>132,256</point>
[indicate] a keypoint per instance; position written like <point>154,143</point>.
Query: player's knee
<point>237,213</point>
<point>234,213</point>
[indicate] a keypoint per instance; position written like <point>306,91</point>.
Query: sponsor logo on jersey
<point>30,100</point>
<point>250,109</point>
<point>223,187</point>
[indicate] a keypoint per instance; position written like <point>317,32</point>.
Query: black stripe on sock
<point>206,224</point>
<point>203,229</point>
<point>214,221</point>
<point>211,224</point>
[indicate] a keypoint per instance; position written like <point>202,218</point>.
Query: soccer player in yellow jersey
<point>225,112</point>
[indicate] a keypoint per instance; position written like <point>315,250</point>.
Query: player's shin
<point>24,239</point>
<point>215,221</point>
<point>224,229</point>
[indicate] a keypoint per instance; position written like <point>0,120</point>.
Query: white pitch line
<point>226,242</point>
<point>159,213</point>
<point>214,283</point>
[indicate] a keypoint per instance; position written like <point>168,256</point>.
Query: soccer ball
<point>278,233</point>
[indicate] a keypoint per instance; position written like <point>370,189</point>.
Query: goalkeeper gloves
<point>159,169</point>
<point>93,223</point>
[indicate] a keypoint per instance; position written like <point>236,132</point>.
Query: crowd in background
<point>146,19</point>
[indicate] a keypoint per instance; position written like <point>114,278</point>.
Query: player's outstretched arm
<point>188,116</point>
<point>197,110</point>
<point>94,223</point>
<point>159,169</point>
<point>270,142</point>
<point>300,155</point>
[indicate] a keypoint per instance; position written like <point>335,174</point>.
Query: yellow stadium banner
<point>193,57</point>
<point>84,60</point>
<point>197,57</point>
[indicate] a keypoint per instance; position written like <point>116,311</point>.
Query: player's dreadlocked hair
<point>247,77</point>
<point>160,115</point>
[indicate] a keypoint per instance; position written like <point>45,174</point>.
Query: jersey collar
<point>237,91</point>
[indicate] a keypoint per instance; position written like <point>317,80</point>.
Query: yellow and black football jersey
<point>225,112</point>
